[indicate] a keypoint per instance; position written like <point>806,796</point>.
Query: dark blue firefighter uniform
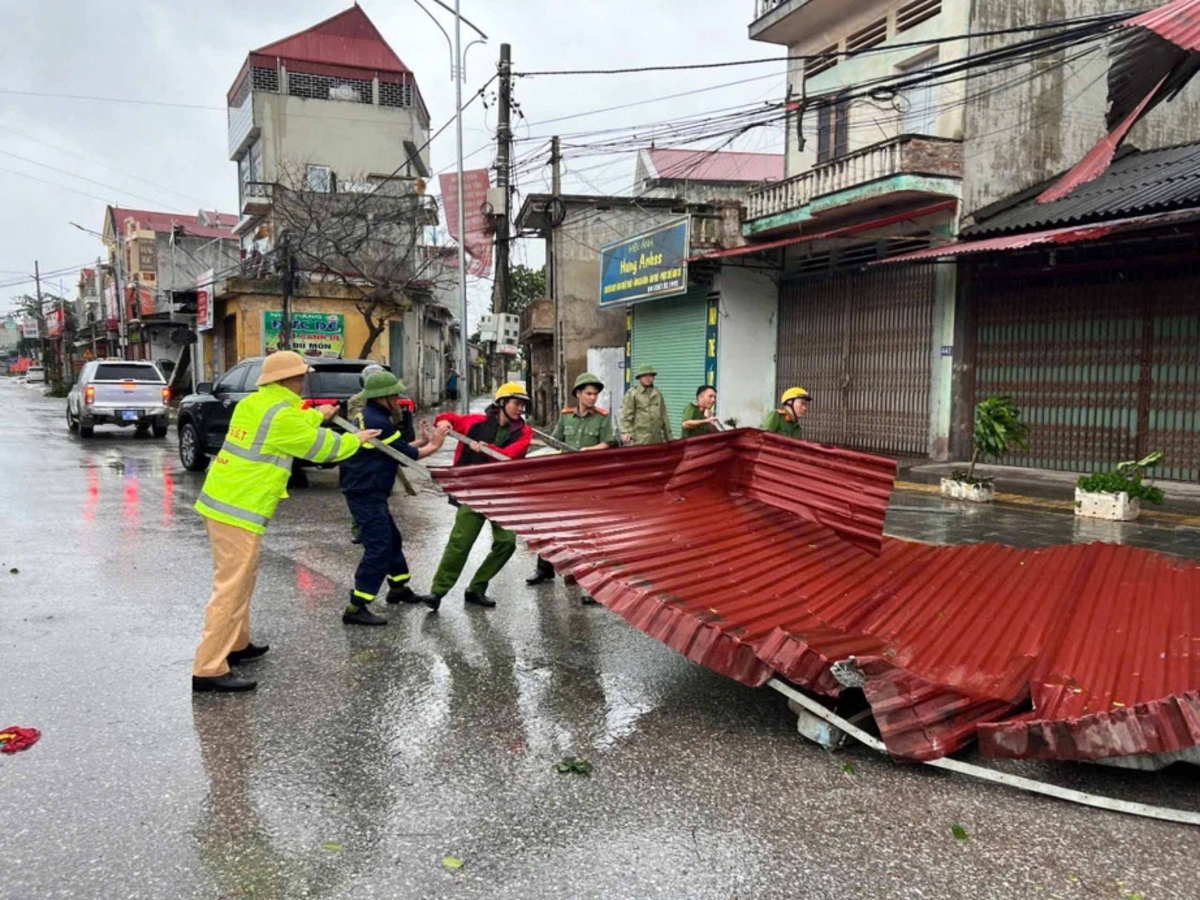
<point>366,481</point>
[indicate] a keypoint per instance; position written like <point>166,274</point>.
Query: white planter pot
<point>1114,507</point>
<point>975,493</point>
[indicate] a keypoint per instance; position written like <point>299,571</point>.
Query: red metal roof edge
<point>1177,21</point>
<point>279,48</point>
<point>846,231</point>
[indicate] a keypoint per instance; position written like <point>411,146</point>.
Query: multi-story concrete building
<point>329,123</point>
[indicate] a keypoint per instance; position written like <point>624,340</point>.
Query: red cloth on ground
<point>15,738</point>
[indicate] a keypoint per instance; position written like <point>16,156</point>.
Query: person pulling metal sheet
<point>244,485</point>
<point>644,418</point>
<point>584,426</point>
<point>502,428</point>
<point>366,481</point>
<point>786,419</point>
<point>701,417</point>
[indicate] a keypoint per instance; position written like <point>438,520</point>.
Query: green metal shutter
<point>670,335</point>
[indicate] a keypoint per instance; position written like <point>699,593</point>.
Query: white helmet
<point>367,372</point>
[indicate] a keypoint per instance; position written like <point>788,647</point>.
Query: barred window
<point>395,94</point>
<point>326,87</point>
<point>264,79</point>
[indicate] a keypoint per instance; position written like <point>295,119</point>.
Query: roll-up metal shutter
<point>669,335</point>
<point>861,344</point>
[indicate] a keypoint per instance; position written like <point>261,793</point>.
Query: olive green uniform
<point>692,412</point>
<point>779,422</point>
<point>580,432</point>
<point>645,417</point>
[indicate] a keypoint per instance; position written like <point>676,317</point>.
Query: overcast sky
<point>62,160</point>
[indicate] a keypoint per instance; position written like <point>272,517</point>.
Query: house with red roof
<point>699,175</point>
<point>328,128</point>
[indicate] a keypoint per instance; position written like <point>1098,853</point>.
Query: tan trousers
<point>227,618</point>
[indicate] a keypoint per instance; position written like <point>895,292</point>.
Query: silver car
<point>119,392</point>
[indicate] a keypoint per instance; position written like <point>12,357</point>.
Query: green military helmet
<point>584,380</point>
<point>382,384</point>
<point>645,370</point>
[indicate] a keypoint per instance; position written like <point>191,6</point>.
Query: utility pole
<point>99,277</point>
<point>41,314</point>
<point>560,329</point>
<point>289,278</point>
<point>464,393</point>
<point>502,216</point>
<point>122,302</point>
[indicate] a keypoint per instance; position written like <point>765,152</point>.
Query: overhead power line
<point>1100,20</point>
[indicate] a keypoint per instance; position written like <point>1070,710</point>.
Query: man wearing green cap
<point>584,426</point>
<point>645,420</point>
<point>366,481</point>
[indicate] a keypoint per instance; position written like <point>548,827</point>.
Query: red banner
<point>478,240</point>
<point>56,320</point>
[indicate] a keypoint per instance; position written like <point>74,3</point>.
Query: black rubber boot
<point>360,615</point>
<point>246,654</point>
<point>402,594</point>
<point>433,601</point>
<point>479,599</point>
<point>545,572</point>
<point>223,684</point>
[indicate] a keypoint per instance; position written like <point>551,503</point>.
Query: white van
<point>35,375</point>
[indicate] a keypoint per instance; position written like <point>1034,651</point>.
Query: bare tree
<point>365,235</point>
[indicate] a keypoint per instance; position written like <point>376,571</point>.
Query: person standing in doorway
<point>645,420</point>
<point>701,417</point>
<point>786,419</point>
<point>584,426</point>
<point>245,483</point>
<point>502,427</point>
<point>452,386</point>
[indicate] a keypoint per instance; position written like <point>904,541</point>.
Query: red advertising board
<point>478,239</point>
<point>204,305</point>
<point>55,322</point>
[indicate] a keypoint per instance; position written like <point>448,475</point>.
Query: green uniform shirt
<point>645,417</point>
<point>581,432</point>
<point>779,423</point>
<point>690,412</point>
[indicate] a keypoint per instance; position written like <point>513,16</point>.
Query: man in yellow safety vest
<point>245,483</point>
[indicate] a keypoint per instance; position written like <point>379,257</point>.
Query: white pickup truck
<point>119,392</point>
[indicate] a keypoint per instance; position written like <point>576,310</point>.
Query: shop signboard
<point>313,334</point>
<point>204,297</point>
<point>646,266</point>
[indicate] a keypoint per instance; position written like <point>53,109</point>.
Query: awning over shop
<point>847,231</point>
<point>1070,235</point>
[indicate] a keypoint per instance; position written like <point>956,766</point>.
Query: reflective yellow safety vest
<point>249,477</point>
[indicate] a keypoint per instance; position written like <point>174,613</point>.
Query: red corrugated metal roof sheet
<point>1177,21</point>
<point>220,224</point>
<point>754,554</point>
<point>716,165</point>
<point>347,39</point>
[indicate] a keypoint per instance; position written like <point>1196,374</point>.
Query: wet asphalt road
<point>366,756</point>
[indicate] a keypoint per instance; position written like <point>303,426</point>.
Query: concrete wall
<point>746,341</point>
<point>353,139</point>
<point>1036,127</point>
<point>608,364</point>
<point>874,121</point>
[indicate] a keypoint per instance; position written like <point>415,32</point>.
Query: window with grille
<point>825,60</point>
<point>395,94</point>
<point>264,79</point>
<point>871,36</point>
<point>913,14</point>
<point>326,87</point>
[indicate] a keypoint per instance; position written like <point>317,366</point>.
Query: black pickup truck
<point>204,416</point>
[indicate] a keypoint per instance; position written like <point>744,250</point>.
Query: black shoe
<point>223,684</point>
<point>589,600</point>
<point>403,594</point>
<point>247,653</point>
<point>355,537</point>
<point>540,578</point>
<point>360,615</point>
<point>479,599</point>
<point>433,601</point>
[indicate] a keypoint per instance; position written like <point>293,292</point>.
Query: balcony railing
<point>907,154</point>
<point>762,7</point>
<point>537,318</point>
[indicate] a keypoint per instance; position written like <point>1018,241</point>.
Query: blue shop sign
<point>647,266</point>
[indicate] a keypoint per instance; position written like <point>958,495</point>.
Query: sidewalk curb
<point>1064,506</point>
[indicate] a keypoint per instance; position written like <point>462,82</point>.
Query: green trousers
<point>467,525</point>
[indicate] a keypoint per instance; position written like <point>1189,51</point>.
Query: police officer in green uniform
<point>644,419</point>
<point>584,426</point>
<point>786,419</point>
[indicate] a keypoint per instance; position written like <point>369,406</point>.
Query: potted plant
<point>998,429</point>
<point>1118,495</point>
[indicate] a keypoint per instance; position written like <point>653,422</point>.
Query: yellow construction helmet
<point>796,393</point>
<point>514,390</point>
